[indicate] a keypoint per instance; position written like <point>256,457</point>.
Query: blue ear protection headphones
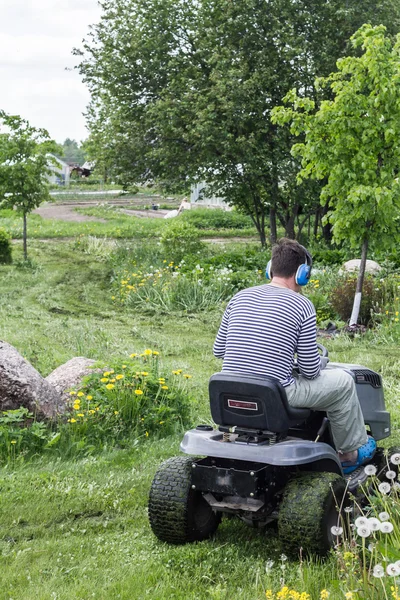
<point>303,272</point>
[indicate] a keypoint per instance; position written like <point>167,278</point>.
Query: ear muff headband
<point>303,272</point>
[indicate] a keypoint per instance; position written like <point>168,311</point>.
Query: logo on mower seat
<point>242,404</point>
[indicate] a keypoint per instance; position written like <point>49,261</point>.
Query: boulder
<point>354,265</point>
<point>70,375</point>
<point>22,385</point>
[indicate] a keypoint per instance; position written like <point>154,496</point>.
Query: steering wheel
<point>324,356</point>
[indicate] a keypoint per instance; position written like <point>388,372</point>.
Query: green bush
<point>215,218</point>
<point>329,257</point>
<point>5,246</point>
<point>180,239</point>
<point>342,298</point>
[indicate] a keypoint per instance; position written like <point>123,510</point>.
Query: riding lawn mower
<point>265,462</point>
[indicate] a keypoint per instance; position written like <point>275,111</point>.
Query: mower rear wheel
<point>177,513</point>
<point>309,509</point>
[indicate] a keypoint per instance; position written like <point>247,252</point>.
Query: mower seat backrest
<point>252,402</point>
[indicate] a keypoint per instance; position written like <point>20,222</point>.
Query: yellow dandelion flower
<point>324,595</point>
<point>397,313</point>
<point>106,373</point>
<point>124,282</point>
<point>80,415</point>
<point>77,406</point>
<point>186,376</point>
<point>89,397</point>
<point>175,373</point>
<point>72,393</point>
<point>387,312</point>
<point>162,422</point>
<point>104,379</point>
<point>139,392</point>
<point>396,320</point>
<point>91,411</point>
<point>269,595</point>
<point>123,367</point>
<point>71,420</point>
<point>148,352</point>
<point>110,386</point>
<point>112,380</point>
<point>155,353</point>
<point>283,594</point>
<point>144,373</point>
<point>97,408</point>
<point>396,298</point>
<point>118,377</point>
<point>132,355</point>
<point>112,371</point>
<point>116,412</point>
<point>13,441</point>
<point>112,297</point>
<point>349,595</point>
<point>164,387</point>
<point>147,434</point>
<point>80,394</point>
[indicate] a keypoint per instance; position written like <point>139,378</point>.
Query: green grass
<point>74,530</point>
<point>118,225</point>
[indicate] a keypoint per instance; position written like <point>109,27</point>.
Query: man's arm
<point>220,341</point>
<point>308,357</point>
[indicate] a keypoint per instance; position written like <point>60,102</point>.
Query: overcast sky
<point>36,38</point>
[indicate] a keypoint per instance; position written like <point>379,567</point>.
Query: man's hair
<point>287,256</point>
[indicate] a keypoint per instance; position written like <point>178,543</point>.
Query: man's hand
<point>324,362</point>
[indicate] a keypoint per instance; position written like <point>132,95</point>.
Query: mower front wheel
<point>179,514</point>
<point>309,509</point>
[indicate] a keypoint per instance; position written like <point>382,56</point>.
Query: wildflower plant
<point>368,546</point>
<point>130,398</point>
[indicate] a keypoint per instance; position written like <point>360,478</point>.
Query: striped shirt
<point>262,329</point>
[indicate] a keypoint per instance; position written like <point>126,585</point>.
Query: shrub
<point>5,246</point>
<point>342,298</point>
<point>329,257</point>
<point>214,218</point>
<point>180,239</point>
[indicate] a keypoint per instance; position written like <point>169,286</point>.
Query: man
<point>262,329</point>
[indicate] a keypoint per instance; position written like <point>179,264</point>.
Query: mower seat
<point>252,402</point>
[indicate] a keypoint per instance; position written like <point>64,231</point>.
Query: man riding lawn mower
<point>291,441</point>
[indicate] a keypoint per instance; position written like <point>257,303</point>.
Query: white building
<point>198,197</point>
<point>60,171</point>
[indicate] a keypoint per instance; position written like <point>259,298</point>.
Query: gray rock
<point>22,385</point>
<point>69,376</point>
<point>354,265</point>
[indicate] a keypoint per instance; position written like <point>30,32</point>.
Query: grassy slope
<point>78,529</point>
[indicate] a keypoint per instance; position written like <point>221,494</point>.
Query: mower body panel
<point>290,453</point>
<point>370,394</point>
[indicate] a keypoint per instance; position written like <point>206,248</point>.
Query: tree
<point>72,152</point>
<point>352,142</point>
<point>24,166</point>
<point>183,91</point>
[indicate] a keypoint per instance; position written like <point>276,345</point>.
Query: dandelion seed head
<point>378,571</point>
<point>384,516</point>
<point>384,487</point>
<point>391,474</point>
<point>386,527</point>
<point>370,470</point>
<point>364,531</point>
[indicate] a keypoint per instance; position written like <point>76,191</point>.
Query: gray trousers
<point>334,391</point>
